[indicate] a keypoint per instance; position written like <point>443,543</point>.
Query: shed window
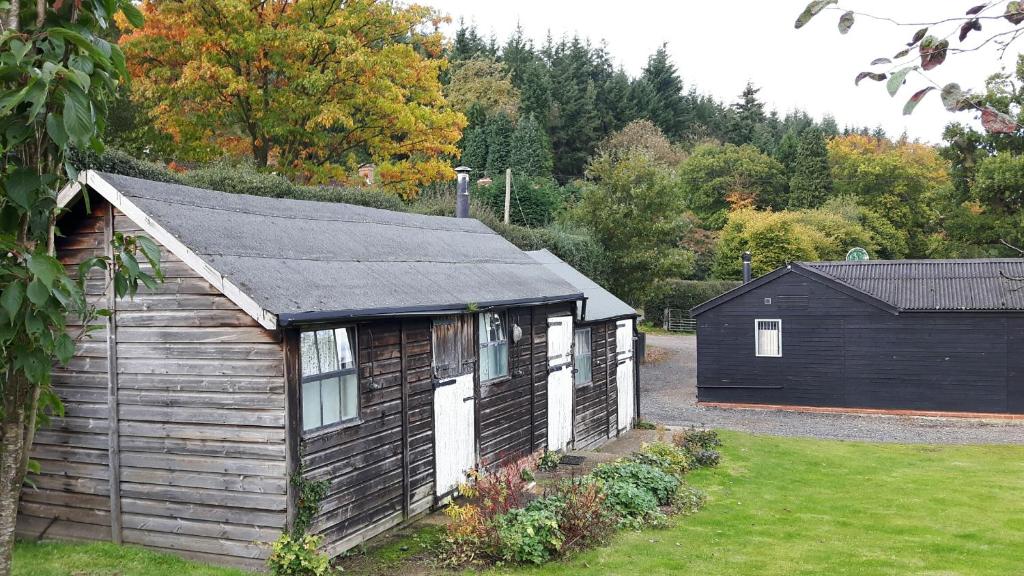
<point>493,346</point>
<point>582,356</point>
<point>330,383</point>
<point>453,346</point>
<point>768,337</point>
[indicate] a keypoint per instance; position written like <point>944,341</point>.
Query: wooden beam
<point>293,423</point>
<point>114,447</point>
<point>266,318</point>
<point>406,492</point>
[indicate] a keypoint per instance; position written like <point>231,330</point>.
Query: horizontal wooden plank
<point>202,366</point>
<point>200,511</point>
<point>213,448</point>
<point>178,462</point>
<point>197,318</point>
<point>212,350</point>
<point>201,431</point>
<point>159,414</point>
<point>210,480</point>
<point>175,525</point>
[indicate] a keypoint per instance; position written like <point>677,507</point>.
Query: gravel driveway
<point>668,394</point>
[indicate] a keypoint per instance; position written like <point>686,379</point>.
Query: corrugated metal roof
<point>601,304</point>
<point>982,284</point>
<point>298,258</point>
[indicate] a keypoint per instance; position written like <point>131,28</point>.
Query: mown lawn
<point>778,506</point>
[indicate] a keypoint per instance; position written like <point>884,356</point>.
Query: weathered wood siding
<point>595,404</point>
<point>201,419</point>
<point>506,407</point>
<point>365,463</point>
<point>71,498</point>
<point>840,351</point>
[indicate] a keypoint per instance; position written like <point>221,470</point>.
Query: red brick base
<point>875,411</point>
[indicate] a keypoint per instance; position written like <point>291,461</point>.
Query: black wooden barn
<point>383,352</point>
<point>924,335</point>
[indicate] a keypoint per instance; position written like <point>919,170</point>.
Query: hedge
<point>682,295</point>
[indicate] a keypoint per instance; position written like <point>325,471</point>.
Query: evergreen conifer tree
<point>669,109</point>
<point>499,144</point>
<point>811,183</point>
<point>531,153</point>
<point>474,148</point>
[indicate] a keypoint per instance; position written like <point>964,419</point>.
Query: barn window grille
<point>768,338</point>
<point>453,346</point>
<point>330,380</point>
<point>582,356</point>
<point>493,346</point>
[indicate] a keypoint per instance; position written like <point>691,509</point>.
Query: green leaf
<point>55,128</point>
<point>933,52</point>
<point>22,188</point>
<point>846,22</point>
<point>896,80</point>
<point>120,285</point>
<point>133,14</point>
<point>38,293</point>
<point>876,76</point>
<point>78,120</point>
<point>150,250</point>
<point>908,108</point>
<point>812,10</point>
<point>953,98</point>
<point>1014,12</point>
<point>64,347</point>
<point>45,267</point>
<point>12,297</point>
<point>11,98</point>
<point>130,263</point>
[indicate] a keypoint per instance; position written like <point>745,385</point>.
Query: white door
<point>454,403</point>
<point>454,450</point>
<point>624,373</point>
<point>559,382</point>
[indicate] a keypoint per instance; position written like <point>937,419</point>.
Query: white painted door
<point>559,382</point>
<point>624,373</point>
<point>454,429</point>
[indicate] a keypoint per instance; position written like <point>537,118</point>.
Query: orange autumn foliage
<point>311,87</point>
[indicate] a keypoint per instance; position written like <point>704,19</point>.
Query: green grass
<point>104,559</point>
<point>783,506</point>
<point>778,506</point>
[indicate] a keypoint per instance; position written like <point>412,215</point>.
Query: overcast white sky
<point>718,46</point>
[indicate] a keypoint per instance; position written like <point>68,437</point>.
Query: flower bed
<point>503,520</point>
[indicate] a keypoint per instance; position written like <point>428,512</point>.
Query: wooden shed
<point>605,392</point>
<point>384,352</point>
<point>902,335</point>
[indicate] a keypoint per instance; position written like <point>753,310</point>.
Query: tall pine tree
<point>669,108</point>
<point>811,183</point>
<point>747,114</point>
<point>474,148</point>
<point>531,152</point>
<point>499,144</point>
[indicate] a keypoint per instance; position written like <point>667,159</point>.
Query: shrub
<point>468,536</point>
<point>667,457</point>
<point>661,485</point>
<point>584,519</point>
<point>531,534</point>
<point>632,505</point>
<point>549,461</point>
<point>533,201</point>
<point>115,161</point>
<point>682,295</point>
<point>700,445</point>
<point>688,499</point>
<point>298,557</point>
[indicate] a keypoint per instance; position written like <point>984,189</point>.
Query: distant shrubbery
<point>682,295</point>
<point>503,521</point>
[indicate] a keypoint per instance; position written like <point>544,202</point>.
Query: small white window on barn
<point>582,357</point>
<point>768,337</point>
<point>493,346</point>
<point>330,380</point>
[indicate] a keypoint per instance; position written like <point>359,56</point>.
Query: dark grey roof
<point>983,284</point>
<point>303,260</point>
<point>601,304</point>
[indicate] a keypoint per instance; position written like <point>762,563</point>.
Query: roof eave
<point>328,316</point>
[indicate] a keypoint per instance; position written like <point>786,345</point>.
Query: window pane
<point>582,341</point>
<point>492,327</point>
<point>330,394</point>
<point>768,339</point>
<point>350,397</point>
<point>346,347</point>
<point>328,351</point>
<point>310,366</point>
<point>583,369</point>
<point>311,416</point>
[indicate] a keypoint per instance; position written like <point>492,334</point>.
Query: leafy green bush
<point>298,557</point>
<point>530,535</point>
<point>667,457</point>
<point>700,445</point>
<point>682,295</point>
<point>660,484</point>
<point>549,461</point>
<point>533,201</point>
<point>585,519</point>
<point>632,505</point>
<point>117,162</point>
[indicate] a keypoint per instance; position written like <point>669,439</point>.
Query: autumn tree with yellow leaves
<point>310,87</point>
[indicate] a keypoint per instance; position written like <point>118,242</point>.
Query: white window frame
<point>482,346</point>
<point>576,357</point>
<point>353,371</point>
<point>757,339</point>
